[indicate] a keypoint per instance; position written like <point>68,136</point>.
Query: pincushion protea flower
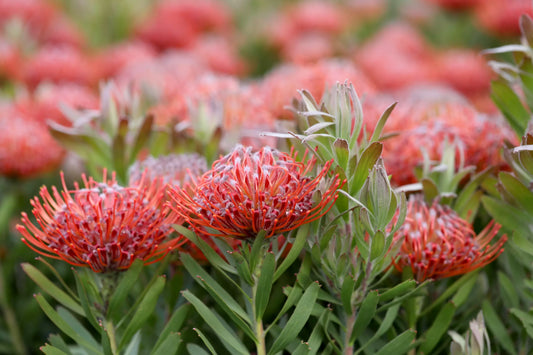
<point>439,244</point>
<point>247,192</point>
<point>103,225</point>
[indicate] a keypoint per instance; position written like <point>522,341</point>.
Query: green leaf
<point>64,326</point>
<point>258,246</point>
<point>522,243</point>
<point>526,319</point>
<point>212,256</point>
<point>299,242</point>
<point>76,325</point>
<point>368,159</point>
<point>399,345</point>
<point>222,297</point>
<point>342,153</point>
<point>84,299</point>
<point>510,105</point>
<point>133,346</point>
<point>497,328</point>
<point>233,343</point>
<point>264,285</point>
<point>48,286</point>
<point>51,350</point>
<point>377,245</point>
<point>118,150</point>
<point>197,350</point>
<point>521,194</point>
<point>347,291</point>
<point>169,346</point>
<point>453,288</point>
<point>376,135</point>
<point>58,342</point>
<point>508,291</point>
<point>463,292</point>
<point>294,294</point>
<point>510,217</point>
<point>438,328</point>
<point>398,290</point>
<point>385,325</point>
<point>298,319</point>
<point>141,138</point>
<point>128,279</point>
<point>173,325</point>
<point>364,315</point>
<point>144,310</point>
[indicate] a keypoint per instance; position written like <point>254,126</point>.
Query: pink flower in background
<point>114,58</point>
<point>437,243</point>
<point>26,146</point>
<point>501,17</point>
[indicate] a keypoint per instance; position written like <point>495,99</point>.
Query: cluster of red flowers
<point>185,55</point>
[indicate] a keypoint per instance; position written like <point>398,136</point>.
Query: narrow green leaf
<point>521,194</point>
<point>197,350</point>
<point>144,310</point>
<point>377,245</point>
<point>51,350</point>
<point>347,291</point>
<point>522,243</point>
<point>58,342</point>
<point>228,338</point>
<point>526,319</point>
<point>64,326</point>
<point>399,345</point>
<point>50,288</point>
<point>118,150</point>
<point>173,325</point>
<point>438,328</point>
<point>133,346</point>
<point>214,288</point>
<point>507,215</point>
<point>342,153</point>
<point>376,135</point>
<point>124,286</point>
<point>463,292</point>
<point>169,346</point>
<point>508,291</point>
<point>296,248</point>
<point>85,303</point>
<point>141,138</point>
<point>497,328</point>
<point>293,295</point>
<point>385,325</point>
<point>398,290</point>
<point>450,291</point>
<point>368,159</point>
<point>212,256</point>
<point>264,285</point>
<point>258,246</point>
<point>510,105</point>
<point>365,314</point>
<point>76,325</point>
<point>298,319</point>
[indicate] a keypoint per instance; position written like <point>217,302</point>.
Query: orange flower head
<point>247,192</point>
<point>439,244</point>
<point>103,225</point>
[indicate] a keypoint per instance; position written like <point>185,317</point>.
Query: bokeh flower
<point>437,243</point>
<point>101,225</point>
<point>248,192</point>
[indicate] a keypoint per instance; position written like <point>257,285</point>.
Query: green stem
<point>259,331</point>
<point>110,328</point>
<point>10,318</point>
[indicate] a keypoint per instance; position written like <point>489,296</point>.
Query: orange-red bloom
<point>247,192</point>
<point>438,243</point>
<point>102,225</point>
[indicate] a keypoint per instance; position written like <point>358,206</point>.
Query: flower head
<point>439,244</point>
<point>102,225</point>
<point>247,192</point>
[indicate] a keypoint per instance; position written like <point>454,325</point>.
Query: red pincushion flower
<point>247,192</point>
<point>103,225</point>
<point>501,17</point>
<point>439,244</point>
